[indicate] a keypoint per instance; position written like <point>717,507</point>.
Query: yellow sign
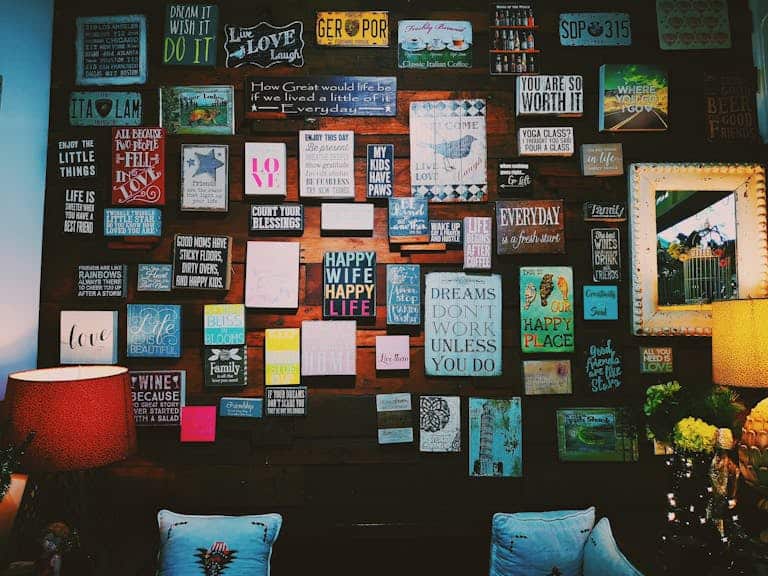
<point>353,29</point>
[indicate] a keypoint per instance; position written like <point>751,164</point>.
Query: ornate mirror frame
<point>748,183</point>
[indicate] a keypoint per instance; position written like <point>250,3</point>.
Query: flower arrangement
<point>679,249</point>
<point>695,435</point>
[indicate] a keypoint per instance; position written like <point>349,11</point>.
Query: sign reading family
<point>530,227</point>
<point>605,211</point>
<point>190,34</point>
<point>76,158</point>
<point>550,95</point>
<point>349,285</point>
<point>277,219</point>
<point>104,109</point>
<point>202,262</point>
<point>264,45</point>
<point>606,256</point>
<point>595,29</point>
<point>138,166</point>
<point>545,141</point>
<point>381,170</point>
<point>352,29</point>
<point>111,50</point>
<point>546,309</point>
<point>434,44</point>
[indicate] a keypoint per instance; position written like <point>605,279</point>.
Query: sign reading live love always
<point>352,29</point>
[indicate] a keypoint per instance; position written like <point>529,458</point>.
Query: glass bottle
<point>530,40</point>
<point>524,42</point>
<point>724,476</point>
<point>531,21</point>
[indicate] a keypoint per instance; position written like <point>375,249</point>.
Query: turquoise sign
<point>601,303</point>
<point>595,29</point>
<point>546,309</point>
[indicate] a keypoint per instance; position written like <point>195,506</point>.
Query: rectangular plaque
<point>327,164</point>
<point>158,396</point>
<point>606,255</point>
<point>530,227</point>
<point>693,25</point>
<point>495,437</point>
<point>408,220</point>
<point>595,29</point>
<point>204,177</point>
<point>633,98</point>
<point>447,232</point>
<point>395,419</point>
<point>277,219</point>
<point>380,169</point>
<point>111,50</point>
<point>657,360</point>
<point>514,177</point>
<point>285,401</point>
<point>75,158</point>
<point>605,211</point>
<point>88,337</point>
<point>264,45</point>
<point>154,278</point>
<point>79,211</point>
<point>202,262</point>
<point>272,275</point>
<point>477,242</point>
<point>547,377</point>
<point>603,367</point>
<point>102,281</point>
<point>154,331</point>
<point>549,95</point>
<point>282,358</point>
<point>105,109</point>
<point>223,324</point>
<point>546,309</point>
<point>225,366</point>
<point>239,407</point>
<point>730,105</point>
<point>512,42</point>
<point>349,285</point>
<point>439,424</point>
<point>198,109</point>
<point>346,217</point>
<point>265,169</point>
<point>133,222</point>
<point>138,166</point>
<point>596,435</point>
<point>602,159</point>
<point>403,294</point>
<point>328,348</point>
<point>190,34</point>
<point>198,424</point>
<point>601,303</point>
<point>427,44</point>
<point>352,29</point>
<point>393,352</point>
<point>545,141</point>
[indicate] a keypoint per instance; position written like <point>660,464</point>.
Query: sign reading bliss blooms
<point>546,309</point>
<point>495,437</point>
<point>111,50</point>
<point>154,331</point>
<point>138,166</point>
<point>190,34</point>
<point>204,177</point>
<point>223,324</point>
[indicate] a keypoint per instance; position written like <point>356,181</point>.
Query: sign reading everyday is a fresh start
<point>530,227</point>
<point>264,45</point>
<point>550,95</point>
<point>349,285</point>
<point>352,29</point>
<point>546,309</point>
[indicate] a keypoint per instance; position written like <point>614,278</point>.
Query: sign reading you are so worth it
<point>550,95</point>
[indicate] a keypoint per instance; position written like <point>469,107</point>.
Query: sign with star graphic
<point>138,166</point>
<point>204,177</point>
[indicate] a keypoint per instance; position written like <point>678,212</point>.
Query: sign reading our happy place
<point>349,285</point>
<point>434,44</point>
<point>138,166</point>
<point>595,29</point>
<point>223,324</point>
<point>542,95</point>
<point>154,331</point>
<point>546,309</point>
<point>105,109</point>
<point>352,29</point>
<point>264,45</point>
<point>381,170</point>
<point>190,34</point>
<point>202,262</point>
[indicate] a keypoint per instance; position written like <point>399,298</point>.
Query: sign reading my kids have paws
<point>349,285</point>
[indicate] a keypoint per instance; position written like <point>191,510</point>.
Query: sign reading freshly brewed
<point>76,158</point>
<point>381,170</point>
<point>190,34</point>
<point>545,141</point>
<point>111,50</point>
<point>605,211</point>
<point>550,95</point>
<point>104,109</point>
<point>264,45</point>
<point>286,219</point>
<point>514,177</point>
<point>595,29</point>
<point>352,29</point>
<point>138,166</point>
<point>606,255</point>
<point>530,227</point>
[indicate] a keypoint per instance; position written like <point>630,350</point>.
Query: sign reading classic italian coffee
<point>105,109</point>
<point>79,211</point>
<point>606,255</point>
<point>349,285</point>
<point>542,95</point>
<point>546,309</point>
<point>381,170</point>
<point>530,227</point>
<point>513,177</point>
<point>605,211</point>
<point>595,29</point>
<point>102,281</point>
<point>75,158</point>
<point>138,166</point>
<point>602,159</point>
<point>277,219</point>
<point>202,262</point>
<point>190,34</point>
<point>352,29</point>
<point>111,50</point>
<point>264,45</point>
<point>545,141</point>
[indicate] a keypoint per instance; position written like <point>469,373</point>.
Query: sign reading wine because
<point>158,396</point>
<point>105,109</point>
<point>111,50</point>
<point>550,96</point>
<point>352,29</point>
<point>546,309</point>
<point>530,227</point>
<point>138,166</point>
<point>202,262</point>
<point>190,34</point>
<point>264,45</point>
<point>349,285</point>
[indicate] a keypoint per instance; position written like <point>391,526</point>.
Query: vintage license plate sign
<point>102,281</point>
<point>197,109</point>
<point>79,211</point>
<point>285,401</point>
<point>394,418</point>
<point>454,302</point>
<point>158,396</point>
<point>225,366</point>
<point>138,166</point>
<point>154,331</point>
<point>105,109</point>
<point>204,177</point>
<point>408,220</point>
<point>434,44</point>
<point>287,219</point>
<point>321,96</point>
<point>447,232</point>
<point>154,278</point>
<point>190,34</point>
<point>111,50</point>
<point>478,232</point>
<point>605,211</point>
<point>133,222</point>
<point>380,167</point>
<point>264,45</point>
<point>349,285</point>
<point>693,25</point>
<point>530,227</point>
<point>595,29</point>
<point>514,177</point>
<point>601,302</point>
<point>606,255</point>
<point>403,294</point>
<point>327,164</point>
<point>550,96</point>
<point>237,407</point>
<point>603,366</point>
<point>546,309</point>
<point>545,141</point>
<point>547,377</point>
<point>655,360</point>
<point>352,29</point>
<point>75,158</point>
<point>202,262</point>
<point>448,150</point>
<point>602,159</point>
<point>730,108</point>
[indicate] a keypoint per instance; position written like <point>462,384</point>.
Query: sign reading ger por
<point>352,29</point>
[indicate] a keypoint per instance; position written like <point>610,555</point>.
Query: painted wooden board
<point>394,418</point>
<point>601,302</point>
<point>478,232</point>
<point>158,396</point>
<point>154,331</point>
<point>656,360</point>
<point>133,222</point>
<point>88,337</point>
<point>439,424</point>
<point>190,37</point>
<point>285,401</point>
<point>202,262</point>
<point>111,50</point>
<point>530,227</point>
<point>545,141</point>
<point>349,284</point>
<point>495,437</point>
<point>380,170</point>
<point>448,232</point>
<point>408,220</point>
<point>546,309</point>
<point>328,348</point>
<point>346,217</point>
<point>730,108</point>
<point>80,205</point>
<point>595,29</point>
<point>282,357</point>
<point>403,294</point>
<point>602,159</point>
<point>319,149</point>
<point>198,424</point>
<point>606,254</point>
<point>225,366</point>
<point>264,45</point>
<point>272,275</point>
<point>514,177</point>
<point>352,29</point>
<point>223,324</point>
<point>547,377</point>
<point>430,44</point>
<point>198,109</point>
<point>265,169</point>
<point>105,109</point>
<point>204,177</point>
<point>393,352</point>
<point>601,211</point>
<point>544,95</point>
<point>277,219</point>
<point>75,158</point>
<point>138,166</point>
<point>102,280</point>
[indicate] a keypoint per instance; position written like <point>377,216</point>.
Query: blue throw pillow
<point>226,545</point>
<point>540,543</point>
<point>602,556</point>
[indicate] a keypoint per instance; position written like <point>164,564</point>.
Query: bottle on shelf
<point>496,40</point>
<point>530,40</point>
<point>524,42</point>
<point>531,22</point>
<point>497,66</point>
<point>517,41</point>
<point>505,64</point>
<point>532,64</point>
<point>523,64</point>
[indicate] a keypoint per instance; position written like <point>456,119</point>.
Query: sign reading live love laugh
<point>352,29</point>
<point>264,45</point>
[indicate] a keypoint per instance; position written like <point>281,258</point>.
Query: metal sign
<point>105,109</point>
<point>111,50</point>
<point>595,29</point>
<point>352,29</point>
<point>434,44</point>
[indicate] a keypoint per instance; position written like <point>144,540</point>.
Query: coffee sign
<point>138,166</point>
<point>190,34</point>
<point>264,45</point>
<point>111,50</point>
<point>595,29</point>
<point>545,141</point>
<point>513,177</point>
<point>381,170</point>
<point>352,29</point>
<point>655,360</point>
<point>605,211</point>
<point>602,159</point>
<point>434,44</point>
<point>278,219</point>
<point>477,242</point>
<point>202,262</point>
<point>76,158</point>
<point>606,255</point>
<point>105,109</point>
<point>530,227</point>
<point>542,95</point>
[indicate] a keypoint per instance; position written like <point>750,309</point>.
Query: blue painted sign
<point>154,331</point>
<point>105,109</point>
<point>381,171</point>
<point>223,324</point>
<point>241,407</point>
<point>403,294</point>
<point>154,278</point>
<point>111,50</point>
<point>601,303</point>
<point>408,220</point>
<point>595,29</point>
<point>133,222</point>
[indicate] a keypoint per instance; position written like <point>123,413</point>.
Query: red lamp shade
<point>82,416</point>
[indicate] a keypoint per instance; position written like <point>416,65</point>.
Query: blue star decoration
<point>207,164</point>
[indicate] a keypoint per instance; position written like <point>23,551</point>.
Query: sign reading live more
<point>352,29</point>
<point>105,109</point>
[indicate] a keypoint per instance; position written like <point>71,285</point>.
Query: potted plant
<point>12,485</point>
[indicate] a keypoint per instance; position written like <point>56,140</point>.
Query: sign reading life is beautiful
<point>403,294</point>
<point>154,331</point>
<point>105,109</point>
<point>602,159</point>
<point>138,166</point>
<point>158,396</point>
<point>550,95</point>
<point>601,303</point>
<point>88,337</point>
<point>394,418</point>
<point>204,177</point>
<point>285,401</point>
<point>154,278</point>
<point>111,50</point>
<point>265,45</point>
<point>352,29</point>
<point>595,29</point>
<point>282,358</point>
<point>76,158</point>
<point>605,211</point>
<point>223,324</point>
<point>603,366</point>
<point>133,222</point>
<point>606,255</point>
<point>477,242</point>
<point>530,227</point>
<point>102,281</point>
<point>655,360</point>
<point>349,285</point>
<point>272,275</point>
<point>202,262</point>
<point>462,324</point>
<point>190,34</point>
<point>79,210</point>
<point>545,141</point>
<point>321,96</point>
<point>434,44</point>
<point>225,366</point>
<point>381,170</point>
<point>513,177</point>
<point>546,309</point>
<point>408,220</point>
<point>327,163</point>
<point>278,219</point>
<point>265,169</point>
<point>328,348</point>
<point>446,232</point>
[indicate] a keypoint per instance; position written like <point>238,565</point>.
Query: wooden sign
<point>456,302</point>
<point>79,210</point>
<point>603,366</point>
<point>158,396</point>
<point>327,166</point>
<point>549,96</point>
<point>352,29</point>
<point>512,43</point>
<point>601,303</point>
<point>285,401</point>
<point>545,141</point>
<point>380,169</point>
<point>154,331</point>
<point>547,377</point>
<point>102,281</point>
<point>546,309</point>
<point>349,285</point>
<point>264,45</point>
<point>328,348</point>
<point>434,44</point>
<point>76,158</point>
<point>282,358</point>
<point>656,360</point>
<point>447,232</point>
<point>197,109</point>
<point>596,435</point>
<point>133,222</point>
<point>346,217</point>
<point>105,109</point>
<point>731,115</point>
<point>393,352</point>
<point>693,25</point>
<point>602,159</point>
<point>154,278</point>
<point>88,337</point>
<point>190,34</point>
<point>265,169</point>
<point>138,166</point>
<point>272,275</point>
<point>394,418</point>
<point>111,50</point>
<point>403,294</point>
<point>278,219</point>
<point>204,177</point>
<point>595,29</point>
<point>633,98</point>
<point>321,96</point>
<point>606,255</point>
<point>439,424</point>
<point>495,437</point>
<point>448,150</point>
<point>530,227</point>
<point>198,424</point>
<point>225,366</point>
<point>605,211</point>
<point>239,407</point>
<point>223,324</point>
<point>513,177</point>
<point>477,242</point>
<point>408,220</point>
<point>202,262</point>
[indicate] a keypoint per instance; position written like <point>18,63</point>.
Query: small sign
<point>512,44</point>
<point>328,348</point>
<point>495,437</point>
<point>282,358</point>
<point>596,435</point>
<point>545,141</point>
<point>327,163</point>
<point>321,96</point>
<point>606,255</point>
<point>76,158</point>
<point>477,242</point>
<point>154,331</point>
<point>605,211</point>
<point>408,220</point>
<point>633,98</point>
<point>447,232</point>
<point>223,324</point>
<point>352,29</point>
<point>349,285</point>
<point>158,397</point>
<point>190,34</point>
<point>395,419</point>
<point>79,210</point>
<point>439,424</point>
<point>264,45</point>
<point>601,303</point>
<point>603,367</point>
<point>102,281</point>
<point>239,407</point>
<point>225,366</point>
<point>133,222</point>
<point>202,262</point>
<point>403,294</point>
<point>434,44</point>
<point>693,25</point>
<point>198,424</point>
<point>198,109</point>
<point>278,219</point>
<point>656,360</point>
<point>265,169</point>
<point>530,227</point>
<point>731,115</point>
<point>381,171</point>
<point>549,96</point>
<point>285,401</point>
<point>204,177</point>
<point>514,177</point>
<point>547,377</point>
<point>393,352</point>
<point>111,50</point>
<point>154,278</point>
<point>138,166</point>
<point>546,309</point>
<point>105,109</point>
<point>88,337</point>
<point>595,29</point>
<point>602,159</point>
<point>272,275</point>
<point>346,217</point>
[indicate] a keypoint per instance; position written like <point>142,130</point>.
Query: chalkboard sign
<point>605,211</point>
<point>102,281</point>
<point>408,220</point>
<point>603,366</point>
<point>105,109</point>
<point>606,255</point>
<point>477,242</point>
<point>264,45</point>
<point>279,219</point>
<point>381,170</point>
<point>111,50</point>
<point>202,262</point>
<point>546,309</point>
<point>154,331</point>
<point>138,166</point>
<point>75,158</point>
<point>447,232</point>
<point>158,396</point>
<point>514,177</point>
<point>731,115</point>
<point>204,177</point>
<point>265,169</point>
<point>595,29</point>
<point>530,227</point>
<point>225,366</point>
<point>285,401</point>
<point>403,294</point>
<point>154,278</point>
<point>349,285</point>
<point>79,211</point>
<point>190,34</point>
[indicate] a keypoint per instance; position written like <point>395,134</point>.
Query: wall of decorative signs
<point>382,282</point>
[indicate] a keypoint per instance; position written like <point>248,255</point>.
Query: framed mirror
<point>697,234</point>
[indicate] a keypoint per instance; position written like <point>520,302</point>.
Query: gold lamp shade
<point>740,343</point>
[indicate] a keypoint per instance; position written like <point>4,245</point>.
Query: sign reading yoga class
<point>403,294</point>
<point>603,366</point>
<point>79,210</point>
<point>514,177</point>
<point>202,262</point>
<point>154,331</point>
<point>542,95</point>
<point>138,166</point>
<point>265,169</point>
<point>133,222</point>
<point>327,164</point>
<point>102,281</point>
<point>352,29</point>
<point>75,158</point>
<point>595,29</point>
<point>285,219</point>
<point>264,45</point>
<point>545,141</point>
<point>655,360</point>
<point>111,50</point>
<point>408,220</point>
<point>105,109</point>
<point>546,309</point>
<point>190,34</point>
<point>606,255</point>
<point>530,227</point>
<point>158,396</point>
<point>349,285</point>
<point>204,177</point>
<point>380,170</point>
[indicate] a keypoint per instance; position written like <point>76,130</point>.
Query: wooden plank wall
<point>351,506</point>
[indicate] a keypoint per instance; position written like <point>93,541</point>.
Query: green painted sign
<point>546,309</point>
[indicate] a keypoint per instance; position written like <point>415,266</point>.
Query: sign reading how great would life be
<point>530,227</point>
<point>76,158</point>
<point>102,280</point>
<point>264,45</point>
<point>349,285</point>
<point>277,219</point>
<point>546,309</point>
<point>595,29</point>
<point>327,164</point>
<point>202,262</point>
<point>352,29</point>
<point>190,34</point>
<point>606,255</point>
<point>138,166</point>
<point>380,170</point>
<point>550,95</point>
<point>545,141</point>
<point>105,109</point>
<point>204,177</point>
<point>111,50</point>
<point>462,324</point>
<point>158,396</point>
<point>603,366</point>
<point>79,210</point>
